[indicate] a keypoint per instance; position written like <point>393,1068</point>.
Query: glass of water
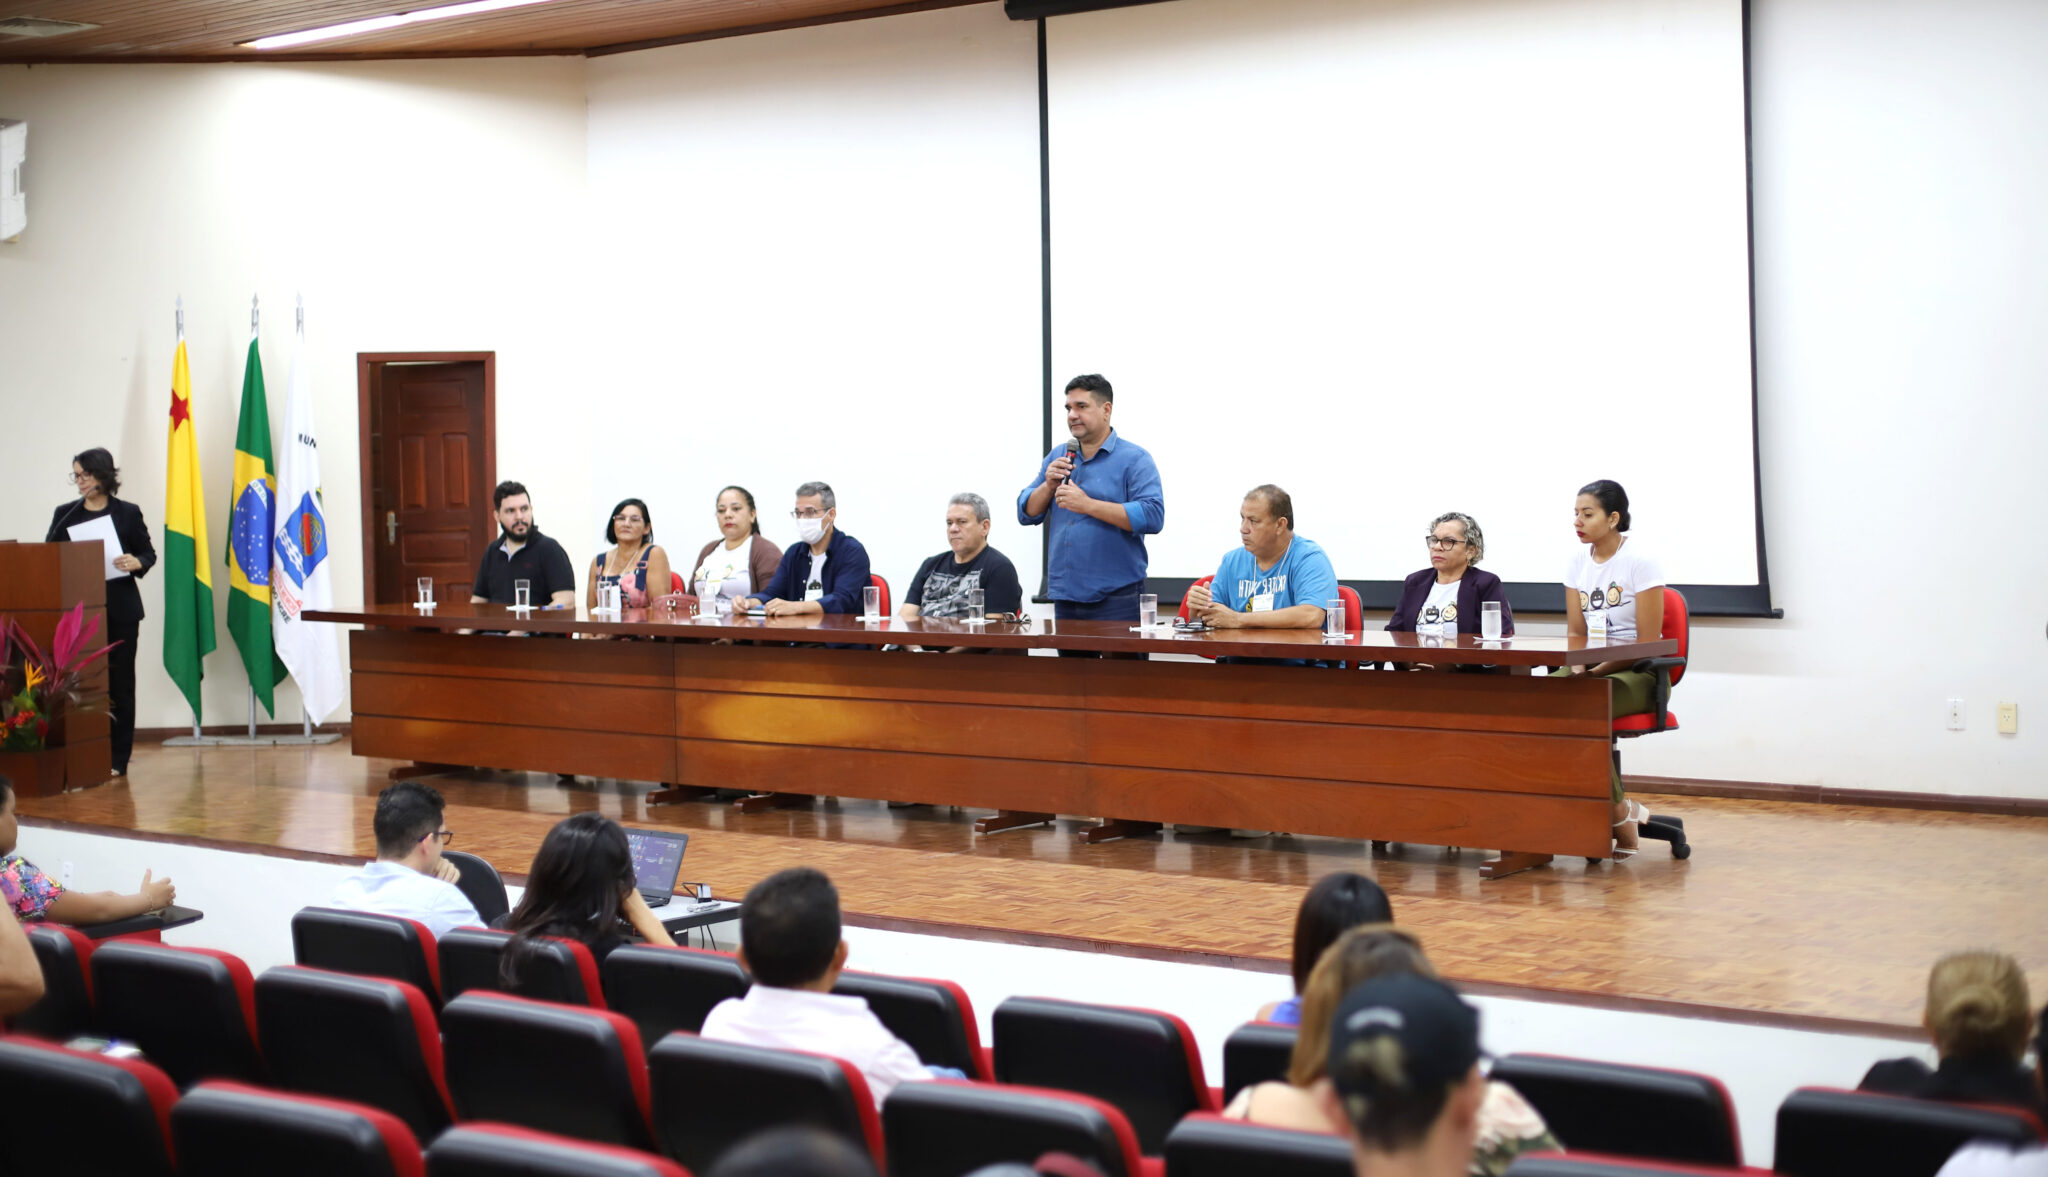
<point>977,612</point>
<point>522,594</point>
<point>1489,620</point>
<point>1148,610</point>
<point>708,593</point>
<point>871,603</point>
<point>1333,617</point>
<point>426,586</point>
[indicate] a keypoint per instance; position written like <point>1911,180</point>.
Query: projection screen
<point>1403,258</point>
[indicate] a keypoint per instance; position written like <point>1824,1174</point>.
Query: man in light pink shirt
<point>790,942</point>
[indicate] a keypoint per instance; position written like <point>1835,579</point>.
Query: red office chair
<point>879,583</point>
<point>1354,609</point>
<point>1678,626</point>
<point>1191,588</point>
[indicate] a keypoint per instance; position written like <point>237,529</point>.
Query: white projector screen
<point>818,258</point>
<point>1403,258</point>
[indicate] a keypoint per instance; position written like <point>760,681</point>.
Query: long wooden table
<point>1510,762</point>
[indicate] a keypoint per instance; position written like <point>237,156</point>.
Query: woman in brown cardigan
<point>740,562</point>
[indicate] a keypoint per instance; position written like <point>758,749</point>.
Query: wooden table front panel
<point>1499,762</point>
<point>600,708</point>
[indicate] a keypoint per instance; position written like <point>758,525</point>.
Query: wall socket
<point>1955,715</point>
<point>64,873</point>
<point>2008,719</point>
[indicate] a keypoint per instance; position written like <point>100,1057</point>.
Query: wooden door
<point>431,462</point>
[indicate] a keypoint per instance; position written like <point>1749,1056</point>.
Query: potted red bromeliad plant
<point>38,692</point>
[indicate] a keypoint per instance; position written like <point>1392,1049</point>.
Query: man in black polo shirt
<point>522,553</point>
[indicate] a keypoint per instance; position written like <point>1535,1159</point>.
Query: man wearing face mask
<point>824,571</point>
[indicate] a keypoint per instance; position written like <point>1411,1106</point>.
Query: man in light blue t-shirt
<point>1277,580</point>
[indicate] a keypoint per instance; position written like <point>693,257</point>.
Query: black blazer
<point>1477,586</point>
<point>124,593</point>
<point>1959,1080</point>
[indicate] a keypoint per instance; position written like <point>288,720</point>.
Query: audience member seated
<point>1337,901</point>
<point>410,879</point>
<point>824,571</point>
<point>1274,579</point>
<point>793,1152</point>
<point>1507,1125</point>
<point>1453,590</point>
<point>632,562</point>
<point>1404,1083</point>
<point>940,588</point>
<point>1977,1013</point>
<point>1996,1160</point>
<point>579,887</point>
<point>790,942</point>
<point>21,974</point>
<point>740,562</point>
<point>33,895</point>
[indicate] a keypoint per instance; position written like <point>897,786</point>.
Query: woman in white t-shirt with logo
<point>1614,586</point>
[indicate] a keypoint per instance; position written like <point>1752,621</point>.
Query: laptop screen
<point>657,860</point>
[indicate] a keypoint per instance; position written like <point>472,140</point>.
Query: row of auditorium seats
<point>1130,1073</point>
<point>130,1121</point>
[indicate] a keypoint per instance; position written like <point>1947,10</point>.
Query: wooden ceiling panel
<point>212,30</point>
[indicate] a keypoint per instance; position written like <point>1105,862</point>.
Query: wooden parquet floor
<point>1787,912</point>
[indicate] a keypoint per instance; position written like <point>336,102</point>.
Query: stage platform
<point>1803,915</point>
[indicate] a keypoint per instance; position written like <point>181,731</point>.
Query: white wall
<point>1898,248</point>
<point>1899,253</point>
<point>418,206</point>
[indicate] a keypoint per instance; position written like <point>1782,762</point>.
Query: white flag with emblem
<point>299,578</point>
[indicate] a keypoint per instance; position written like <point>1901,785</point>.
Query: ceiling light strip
<point>379,23</point>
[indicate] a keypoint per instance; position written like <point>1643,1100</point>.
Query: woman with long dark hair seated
<point>579,887</point>
<point>1339,901</point>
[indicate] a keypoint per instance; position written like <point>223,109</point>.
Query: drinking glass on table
<point>1489,620</point>
<point>1333,617</point>
<point>707,598</point>
<point>976,613</point>
<point>1148,610</point>
<point>426,585</point>
<point>522,594</point>
<point>871,603</point>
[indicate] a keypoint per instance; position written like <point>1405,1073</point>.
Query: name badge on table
<point>1262,603</point>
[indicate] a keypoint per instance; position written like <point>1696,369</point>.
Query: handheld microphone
<point>1073,453</point>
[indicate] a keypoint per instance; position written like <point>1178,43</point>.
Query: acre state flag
<point>188,575</point>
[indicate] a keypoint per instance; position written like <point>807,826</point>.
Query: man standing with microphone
<point>1099,496</point>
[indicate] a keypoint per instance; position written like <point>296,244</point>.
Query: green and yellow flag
<point>251,525</point>
<point>188,580</point>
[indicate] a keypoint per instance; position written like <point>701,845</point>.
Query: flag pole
<point>181,339</point>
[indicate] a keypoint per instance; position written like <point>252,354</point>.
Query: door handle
<point>390,528</point>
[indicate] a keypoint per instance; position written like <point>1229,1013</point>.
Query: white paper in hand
<point>101,529</point>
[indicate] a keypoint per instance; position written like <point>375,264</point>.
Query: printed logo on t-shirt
<point>1596,601</point>
<point>1261,587</point>
<point>945,593</point>
<point>1613,594</point>
<point>1446,615</point>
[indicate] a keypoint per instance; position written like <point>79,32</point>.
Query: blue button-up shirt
<point>1088,559</point>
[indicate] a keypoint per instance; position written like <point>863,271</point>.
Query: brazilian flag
<point>251,524</point>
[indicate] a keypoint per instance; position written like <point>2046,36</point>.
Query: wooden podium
<point>39,583</point>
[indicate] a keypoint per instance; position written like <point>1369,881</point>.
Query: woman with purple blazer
<point>1451,590</point>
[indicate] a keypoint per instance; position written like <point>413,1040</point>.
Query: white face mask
<point>811,530</point>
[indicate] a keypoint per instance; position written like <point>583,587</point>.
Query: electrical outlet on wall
<point>2008,719</point>
<point>64,872</point>
<point>1955,715</point>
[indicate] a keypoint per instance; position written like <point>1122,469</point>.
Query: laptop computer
<point>657,863</point>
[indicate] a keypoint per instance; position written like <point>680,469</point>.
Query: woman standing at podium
<point>94,475</point>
